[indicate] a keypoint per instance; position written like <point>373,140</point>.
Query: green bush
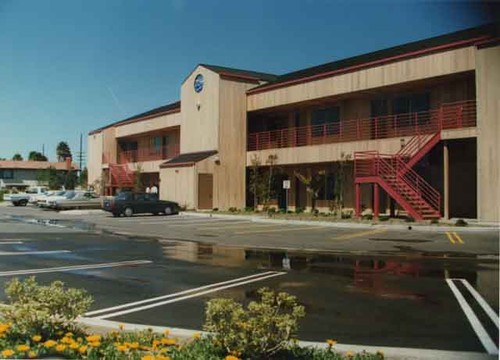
<point>1,195</point>
<point>215,209</point>
<point>461,222</point>
<point>233,209</point>
<point>259,331</point>
<point>249,209</point>
<point>271,210</point>
<point>315,212</point>
<point>43,310</point>
<point>367,217</point>
<point>299,210</point>
<point>347,214</point>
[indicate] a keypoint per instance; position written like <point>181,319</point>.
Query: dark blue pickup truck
<point>129,203</point>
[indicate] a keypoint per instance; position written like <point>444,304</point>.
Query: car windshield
<point>70,194</point>
<point>123,196</point>
<point>60,193</point>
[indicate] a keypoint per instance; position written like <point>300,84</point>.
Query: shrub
<point>215,209</point>
<point>43,310</point>
<point>299,210</point>
<point>249,209</point>
<point>271,210</point>
<point>233,209</point>
<point>434,221</point>
<point>367,217</point>
<point>262,329</point>
<point>383,218</point>
<point>347,214</point>
<point>315,212</point>
<point>461,222</point>
<point>1,195</point>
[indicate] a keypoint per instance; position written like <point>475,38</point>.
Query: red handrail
<point>448,116</point>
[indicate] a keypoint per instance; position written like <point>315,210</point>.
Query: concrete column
<point>446,183</point>
<point>376,200</point>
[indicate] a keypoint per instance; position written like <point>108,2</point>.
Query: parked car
<point>51,200</point>
<point>22,199</point>
<point>81,200</point>
<point>43,200</point>
<point>129,203</point>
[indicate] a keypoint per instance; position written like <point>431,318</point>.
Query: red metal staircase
<point>121,176</point>
<point>395,175</point>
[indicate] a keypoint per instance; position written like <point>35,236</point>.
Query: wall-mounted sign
<point>286,184</point>
<point>198,83</point>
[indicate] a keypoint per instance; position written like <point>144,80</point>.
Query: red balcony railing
<point>448,116</point>
<point>148,154</point>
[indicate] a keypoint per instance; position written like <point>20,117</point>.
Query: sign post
<point>286,186</point>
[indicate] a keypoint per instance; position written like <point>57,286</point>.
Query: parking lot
<point>375,286</point>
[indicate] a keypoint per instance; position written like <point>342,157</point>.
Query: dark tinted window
<point>123,196</point>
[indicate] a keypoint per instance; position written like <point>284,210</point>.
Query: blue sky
<point>70,66</point>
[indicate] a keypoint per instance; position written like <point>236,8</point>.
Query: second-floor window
<point>411,109</point>
<point>326,121</point>
<point>6,174</point>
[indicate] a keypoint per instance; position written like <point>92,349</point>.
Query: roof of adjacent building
<point>251,75</point>
<point>188,158</point>
<point>455,39</point>
<point>169,108</point>
<point>34,165</point>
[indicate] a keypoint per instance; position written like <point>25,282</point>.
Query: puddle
<point>69,224</point>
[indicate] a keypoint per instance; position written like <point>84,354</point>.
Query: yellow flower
<point>163,351</point>
<point>349,354</point>
<point>166,332</point>
<point>67,340</point>
<point>331,342</point>
<point>32,354</point>
<point>93,338</point>
<point>36,338</point>
<point>121,326</point>
<point>168,342</point>
<point>196,336</point>
<point>23,348</point>
<point>60,347</point>
<point>74,346</point>
<point>49,343</point>
<point>7,352</point>
<point>69,334</point>
<point>121,348</point>
<point>231,357</point>
<point>95,343</point>
<point>82,349</point>
<point>4,327</point>
<point>161,357</point>
<point>148,357</point>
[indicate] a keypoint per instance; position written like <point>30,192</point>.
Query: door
<point>205,191</point>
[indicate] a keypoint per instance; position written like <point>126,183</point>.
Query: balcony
<point>148,154</point>
<point>449,116</point>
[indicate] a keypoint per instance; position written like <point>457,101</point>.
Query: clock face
<point>198,83</point>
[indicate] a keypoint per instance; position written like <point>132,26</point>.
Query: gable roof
<point>250,75</point>
<point>449,41</point>
<point>188,159</point>
<point>165,109</point>
<point>34,165</point>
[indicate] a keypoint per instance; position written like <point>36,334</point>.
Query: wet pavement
<point>396,296</point>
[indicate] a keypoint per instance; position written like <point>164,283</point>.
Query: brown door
<point>205,191</point>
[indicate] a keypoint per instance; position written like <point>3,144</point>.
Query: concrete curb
<point>415,226</point>
<point>389,352</point>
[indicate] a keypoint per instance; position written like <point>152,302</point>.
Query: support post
<point>446,180</point>
<point>376,201</point>
<point>358,200</point>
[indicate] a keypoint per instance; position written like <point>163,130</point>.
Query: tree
<point>36,156</point>
<point>17,157</point>
<point>63,151</point>
<point>313,183</point>
<point>255,180</point>
<point>262,179</point>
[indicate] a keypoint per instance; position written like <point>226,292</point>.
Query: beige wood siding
<point>94,158</point>
<point>109,146</point>
<point>445,63</point>
<point>199,127</point>
<point>157,123</point>
<point>230,173</point>
<point>179,184</point>
<point>488,123</point>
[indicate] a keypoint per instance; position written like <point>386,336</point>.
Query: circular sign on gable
<point>198,83</point>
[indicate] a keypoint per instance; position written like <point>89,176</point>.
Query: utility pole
<point>80,156</point>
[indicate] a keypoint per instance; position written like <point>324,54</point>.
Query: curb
<point>415,226</point>
<point>389,352</point>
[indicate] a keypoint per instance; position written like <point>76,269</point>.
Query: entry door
<point>205,191</point>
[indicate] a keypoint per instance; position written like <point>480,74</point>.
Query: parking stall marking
<point>486,307</point>
<point>359,234</point>
<point>244,226</point>
<point>42,252</point>
<point>478,328</point>
<point>454,238</point>
<point>186,297</point>
<point>10,242</point>
<point>74,267</point>
<point>168,296</point>
<point>231,224</point>
<point>281,230</point>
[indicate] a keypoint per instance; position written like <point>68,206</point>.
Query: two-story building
<point>414,126</point>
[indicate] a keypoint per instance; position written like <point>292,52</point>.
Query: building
<point>24,174</point>
<point>413,127</point>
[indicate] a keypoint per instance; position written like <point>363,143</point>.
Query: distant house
<point>23,174</point>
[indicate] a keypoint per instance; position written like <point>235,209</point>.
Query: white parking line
<point>163,297</point>
<point>487,308</point>
<point>481,333</point>
<point>145,307</point>
<point>13,253</point>
<point>10,242</point>
<point>73,268</point>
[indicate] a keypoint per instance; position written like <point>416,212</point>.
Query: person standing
<point>154,189</point>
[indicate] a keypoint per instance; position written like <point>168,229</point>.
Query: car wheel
<point>23,202</point>
<point>128,212</point>
<point>168,210</point>
<point>15,203</point>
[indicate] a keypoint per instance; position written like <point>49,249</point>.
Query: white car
<point>44,200</point>
<point>51,200</point>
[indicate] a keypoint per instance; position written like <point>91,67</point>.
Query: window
<point>406,109</point>
<point>326,121</point>
<point>327,191</point>
<point>6,174</point>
